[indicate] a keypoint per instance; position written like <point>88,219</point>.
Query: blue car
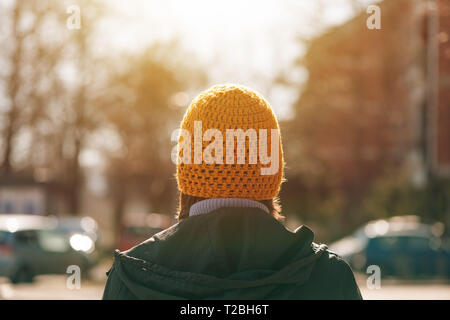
<point>401,246</point>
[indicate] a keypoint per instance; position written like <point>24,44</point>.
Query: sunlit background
<point>86,116</point>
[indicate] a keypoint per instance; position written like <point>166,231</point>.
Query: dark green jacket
<point>230,253</point>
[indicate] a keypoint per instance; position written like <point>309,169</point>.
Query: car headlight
<point>80,242</point>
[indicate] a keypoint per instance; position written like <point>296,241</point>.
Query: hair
<point>186,201</point>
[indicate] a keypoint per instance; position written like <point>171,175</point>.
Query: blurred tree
<point>392,194</point>
<point>28,62</point>
<point>81,117</point>
<point>145,101</point>
<point>50,84</point>
<point>355,116</point>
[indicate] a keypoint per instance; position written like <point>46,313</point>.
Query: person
<point>229,242</point>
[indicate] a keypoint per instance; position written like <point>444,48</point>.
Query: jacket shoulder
<point>115,289</point>
<point>142,249</point>
<point>331,260</point>
<point>337,273</point>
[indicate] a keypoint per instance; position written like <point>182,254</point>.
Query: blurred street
<point>51,287</point>
<point>404,290</point>
<point>408,292</point>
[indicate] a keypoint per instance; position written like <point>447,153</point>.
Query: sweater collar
<point>209,205</point>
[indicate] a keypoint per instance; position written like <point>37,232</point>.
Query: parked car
<point>141,229</point>
<point>74,227</point>
<point>33,245</point>
<point>400,246</point>
<point>81,225</point>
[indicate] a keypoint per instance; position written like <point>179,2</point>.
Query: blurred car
<point>33,245</point>
<point>140,230</point>
<point>400,246</point>
<point>73,227</point>
<point>79,225</point>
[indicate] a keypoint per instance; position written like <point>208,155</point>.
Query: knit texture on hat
<point>230,107</point>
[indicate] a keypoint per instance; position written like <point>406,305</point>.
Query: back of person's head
<point>229,146</point>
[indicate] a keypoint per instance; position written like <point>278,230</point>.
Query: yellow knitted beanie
<point>229,108</point>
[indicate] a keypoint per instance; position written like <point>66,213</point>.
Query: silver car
<point>33,245</point>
